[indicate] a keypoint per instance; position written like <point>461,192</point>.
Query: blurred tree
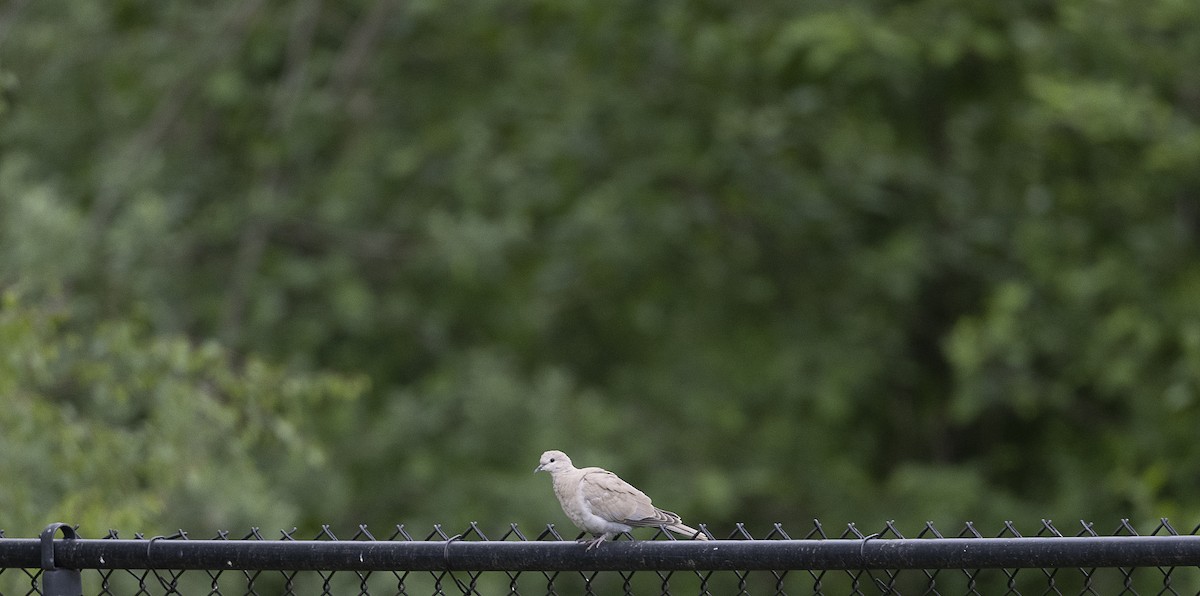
<point>845,260</point>
<point>107,427</point>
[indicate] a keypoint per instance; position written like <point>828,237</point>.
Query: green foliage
<point>106,426</point>
<point>856,260</point>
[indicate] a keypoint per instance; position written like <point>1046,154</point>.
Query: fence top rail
<point>453,554</point>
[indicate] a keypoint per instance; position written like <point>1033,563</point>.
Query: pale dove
<point>600,503</point>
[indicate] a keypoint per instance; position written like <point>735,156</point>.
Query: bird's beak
<point>537,469</point>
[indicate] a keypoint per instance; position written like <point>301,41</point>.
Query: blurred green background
<point>290,263</point>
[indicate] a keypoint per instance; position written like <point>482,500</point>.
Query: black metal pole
<point>662,555</point>
<point>58,579</point>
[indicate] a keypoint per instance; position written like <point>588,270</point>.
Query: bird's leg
<point>595,542</point>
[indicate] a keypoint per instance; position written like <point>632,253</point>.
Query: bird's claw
<point>591,542</point>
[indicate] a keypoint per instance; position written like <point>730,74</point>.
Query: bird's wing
<point>615,500</point>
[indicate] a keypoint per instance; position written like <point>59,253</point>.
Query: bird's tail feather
<point>688,531</point>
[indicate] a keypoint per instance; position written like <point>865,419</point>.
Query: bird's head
<point>553,462</point>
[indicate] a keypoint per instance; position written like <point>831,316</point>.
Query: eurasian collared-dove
<point>602,504</point>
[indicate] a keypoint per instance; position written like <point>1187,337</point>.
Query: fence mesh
<point>1033,577</point>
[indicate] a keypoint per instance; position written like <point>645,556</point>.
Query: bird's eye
<point>552,460</point>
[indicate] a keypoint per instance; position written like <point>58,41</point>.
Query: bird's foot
<point>592,543</point>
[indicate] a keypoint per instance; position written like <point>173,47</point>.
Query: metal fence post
<point>56,581</point>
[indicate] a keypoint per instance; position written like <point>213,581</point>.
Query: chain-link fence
<point>1081,559</point>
